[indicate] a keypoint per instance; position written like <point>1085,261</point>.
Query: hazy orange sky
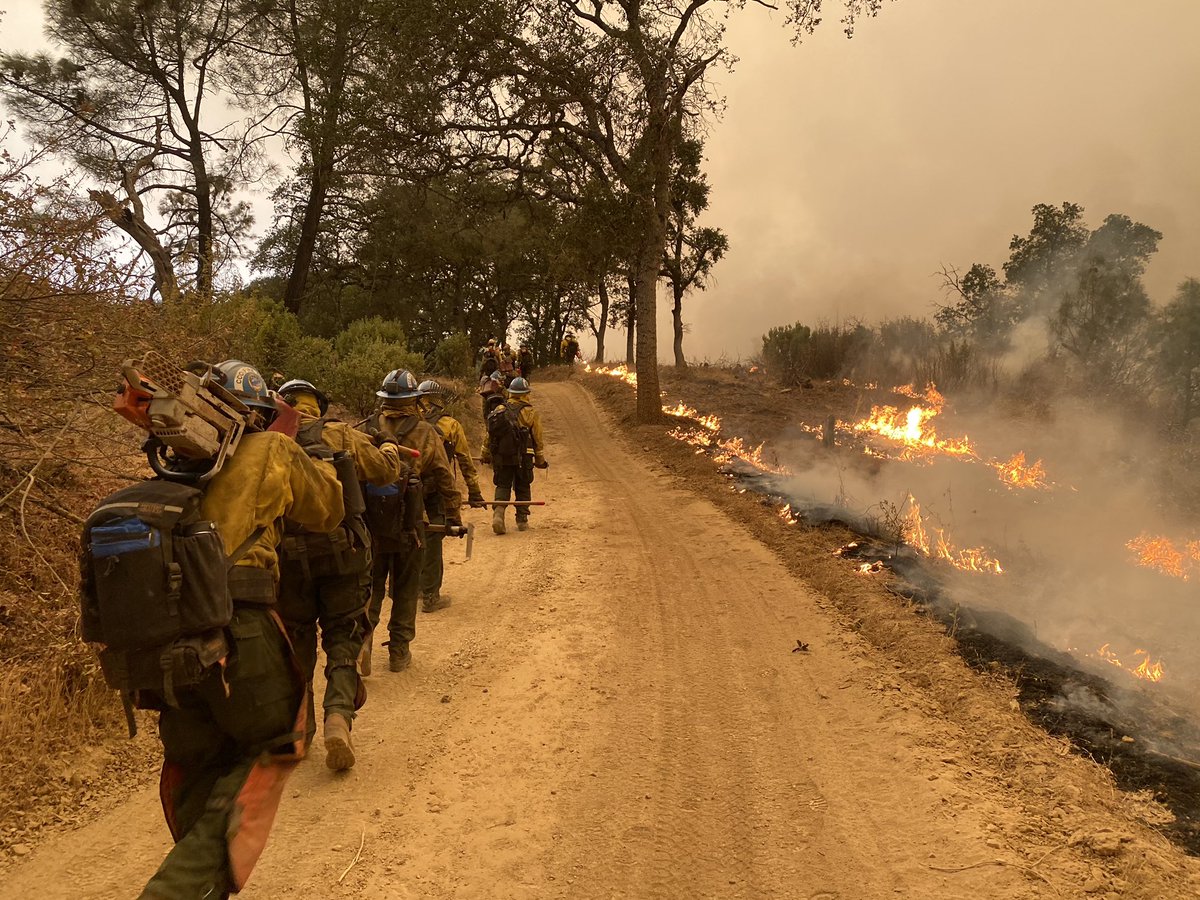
<point>847,172</point>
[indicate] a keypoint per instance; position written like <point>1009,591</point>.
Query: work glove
<point>541,465</point>
<point>476,501</point>
<point>453,522</point>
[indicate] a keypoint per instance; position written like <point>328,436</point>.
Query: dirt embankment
<point>612,708</point>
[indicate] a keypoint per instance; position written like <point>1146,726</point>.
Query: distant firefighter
<point>516,447</point>
<point>570,348</point>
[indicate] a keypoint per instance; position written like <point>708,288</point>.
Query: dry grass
<point>61,451</point>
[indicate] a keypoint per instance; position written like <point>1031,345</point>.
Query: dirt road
<point>612,708</point>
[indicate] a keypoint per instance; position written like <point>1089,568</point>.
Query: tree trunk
<point>631,326</point>
<point>602,329</point>
<point>653,193</point>
<point>129,221</point>
<point>302,264</point>
<point>204,222</point>
<point>649,403</point>
<point>322,150</point>
<point>677,322</point>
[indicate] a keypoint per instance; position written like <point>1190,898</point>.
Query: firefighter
<point>458,453</point>
<point>229,742</point>
<point>396,568</point>
<point>491,392</point>
<point>525,361</point>
<point>326,578</point>
<point>516,446</point>
<point>489,358</point>
<point>507,363</point>
<point>570,348</point>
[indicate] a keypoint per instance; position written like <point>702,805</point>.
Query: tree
<point>354,87</point>
<point>692,251</point>
<point>129,104</point>
<point>618,80</point>
<point>1037,261</point>
<point>983,310</point>
<point>1104,306</point>
<point>1177,350</point>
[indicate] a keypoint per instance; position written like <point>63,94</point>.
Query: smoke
<point>1068,572</point>
<point>846,173</point>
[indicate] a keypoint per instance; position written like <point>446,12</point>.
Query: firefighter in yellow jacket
<point>458,453</point>
<point>230,741</point>
<point>396,546</point>
<point>326,578</point>
<point>516,446</point>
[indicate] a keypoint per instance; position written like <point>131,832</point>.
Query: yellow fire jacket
<point>394,419</point>
<point>452,433</point>
<point>378,465</point>
<point>528,416</point>
<point>268,479</point>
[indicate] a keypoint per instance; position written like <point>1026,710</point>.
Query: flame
<point>622,372</point>
<point>911,428</point>
<point>693,436</point>
<point>1146,670</point>
<point>785,513</point>
<point>1015,473</point>
<point>736,448</point>
<point>1164,555</point>
<point>974,559</point>
<point>683,411</point>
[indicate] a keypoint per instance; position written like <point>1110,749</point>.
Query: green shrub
<point>784,350</point>
<point>370,331</point>
<point>453,356</point>
<point>359,371</point>
<point>793,353</point>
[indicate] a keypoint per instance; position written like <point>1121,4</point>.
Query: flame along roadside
<point>918,441</point>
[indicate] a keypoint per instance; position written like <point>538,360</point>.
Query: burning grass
<point>1061,797</point>
<point>1176,558</point>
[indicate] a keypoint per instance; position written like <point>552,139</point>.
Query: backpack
<point>155,589</point>
<point>340,552</point>
<point>393,510</point>
<point>509,440</point>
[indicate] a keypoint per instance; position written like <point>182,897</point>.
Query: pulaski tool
<point>512,503</point>
<point>459,531</point>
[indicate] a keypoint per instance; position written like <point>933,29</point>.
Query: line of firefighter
<point>396,556</point>
<point>302,549</point>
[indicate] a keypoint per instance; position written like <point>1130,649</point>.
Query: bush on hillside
<point>793,353</point>
<point>453,356</point>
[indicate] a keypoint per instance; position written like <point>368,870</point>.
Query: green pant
<point>397,573</point>
<point>211,742</point>
<point>433,567</point>
<point>338,604</point>
<point>517,480</point>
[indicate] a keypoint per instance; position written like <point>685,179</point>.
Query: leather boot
<point>498,519</point>
<point>364,659</point>
<point>434,602</point>
<point>339,752</point>
<point>399,656</point>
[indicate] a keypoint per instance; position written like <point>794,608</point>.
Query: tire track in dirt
<point>609,709</point>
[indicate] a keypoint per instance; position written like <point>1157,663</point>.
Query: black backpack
<point>509,440</point>
<point>393,511</point>
<point>155,589</point>
<point>341,551</point>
